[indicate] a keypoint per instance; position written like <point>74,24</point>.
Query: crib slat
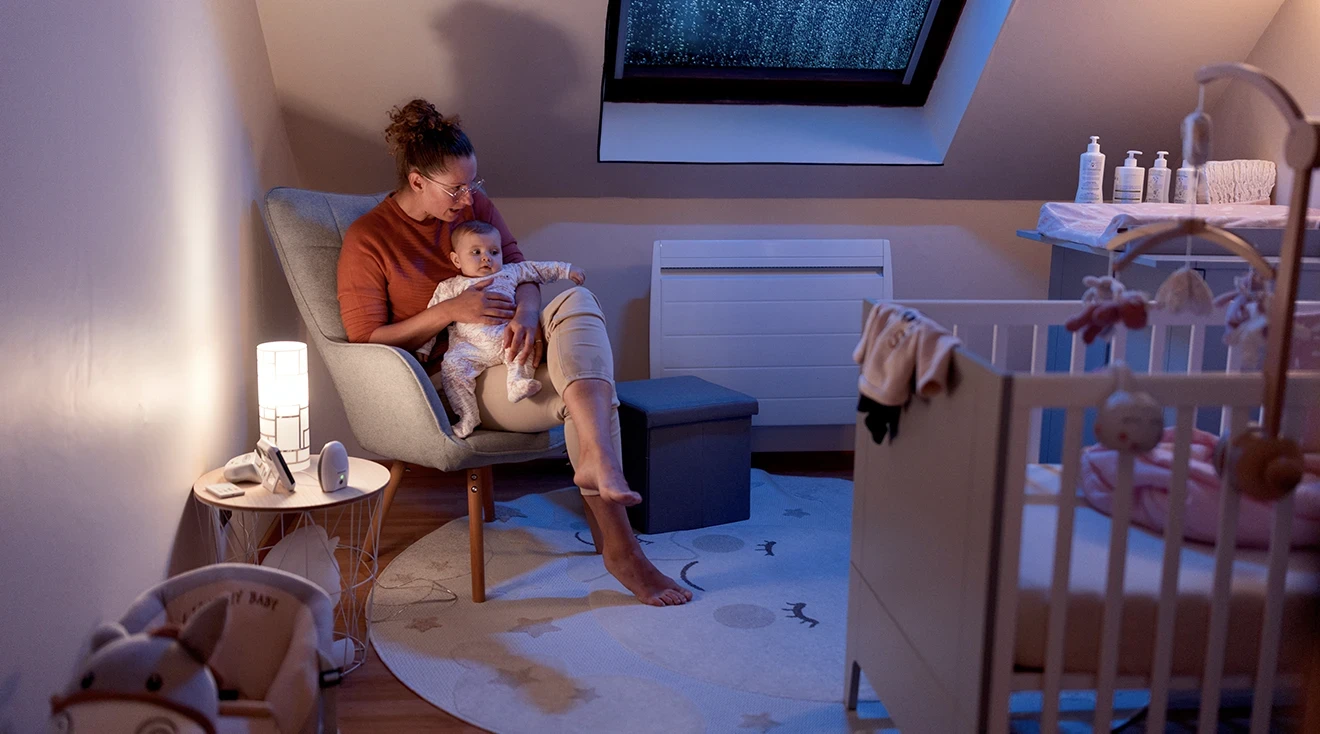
<point>1011,499</point>
<point>1196,350</point>
<point>1262,701</point>
<point>1063,540</point>
<point>1039,353</point>
<point>1233,364</point>
<point>1159,335</point>
<point>1225,543</point>
<point>1120,522</point>
<point>1077,362</point>
<point>1162,665</point>
<point>1118,345</point>
<point>999,347</point>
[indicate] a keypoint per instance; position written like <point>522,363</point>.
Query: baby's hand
<point>576,275</point>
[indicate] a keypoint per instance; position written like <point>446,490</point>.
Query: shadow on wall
<point>337,158</point>
<point>502,61</point>
<point>509,60</point>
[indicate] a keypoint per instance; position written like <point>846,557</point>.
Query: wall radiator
<point>776,319</point>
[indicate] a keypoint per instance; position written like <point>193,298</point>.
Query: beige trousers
<point>577,348</point>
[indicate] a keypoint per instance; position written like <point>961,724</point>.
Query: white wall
<point>137,138</point>
<point>1248,126</point>
<point>940,249</point>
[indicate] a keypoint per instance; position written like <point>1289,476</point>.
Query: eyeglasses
<point>457,193</point>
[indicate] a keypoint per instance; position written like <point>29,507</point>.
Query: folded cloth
<point>1152,478</point>
<point>898,343</point>
<point>1096,224</point>
<point>1237,182</point>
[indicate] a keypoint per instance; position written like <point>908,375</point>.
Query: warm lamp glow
<point>282,400</point>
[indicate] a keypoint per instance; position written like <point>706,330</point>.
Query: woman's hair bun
<point>422,139</point>
<point>414,122</point>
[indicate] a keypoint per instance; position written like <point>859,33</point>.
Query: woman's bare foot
<point>636,572</point>
<point>604,477</point>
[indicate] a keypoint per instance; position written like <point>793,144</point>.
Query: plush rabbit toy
<point>148,683</point>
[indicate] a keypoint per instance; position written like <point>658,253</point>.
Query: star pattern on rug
<point>761,722</point>
<point>424,624</point>
<point>514,678</point>
<point>504,513</point>
<point>585,695</point>
<point>536,627</point>
<point>796,512</point>
<point>400,579</point>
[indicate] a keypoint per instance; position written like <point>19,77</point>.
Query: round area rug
<point>560,646</point>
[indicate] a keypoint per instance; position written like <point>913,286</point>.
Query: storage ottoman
<point>687,450</point>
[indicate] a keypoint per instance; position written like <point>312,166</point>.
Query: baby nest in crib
<point>1153,477</point>
<point>1141,594</point>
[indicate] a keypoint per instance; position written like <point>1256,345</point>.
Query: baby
<point>479,256</point>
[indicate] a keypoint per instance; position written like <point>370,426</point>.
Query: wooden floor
<point>371,700</point>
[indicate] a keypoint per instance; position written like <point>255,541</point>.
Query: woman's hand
<point>477,306</point>
<point>576,275</point>
<point>523,339</point>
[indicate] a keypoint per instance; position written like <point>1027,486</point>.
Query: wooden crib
<point>974,576</point>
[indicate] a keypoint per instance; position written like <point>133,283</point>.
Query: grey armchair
<point>393,409</point>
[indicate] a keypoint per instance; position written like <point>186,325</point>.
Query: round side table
<point>243,532</point>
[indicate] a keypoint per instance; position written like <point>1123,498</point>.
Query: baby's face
<point>478,255</point>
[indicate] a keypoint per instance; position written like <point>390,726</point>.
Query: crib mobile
<point>1258,462</point>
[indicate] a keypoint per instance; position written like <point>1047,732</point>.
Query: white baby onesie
<point>475,347</point>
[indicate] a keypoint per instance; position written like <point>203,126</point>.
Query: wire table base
<point>246,536</point>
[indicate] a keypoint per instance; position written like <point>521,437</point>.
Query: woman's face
<point>444,194</point>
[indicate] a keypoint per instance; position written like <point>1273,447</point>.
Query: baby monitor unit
<point>279,476</point>
<point>244,468</point>
<point>332,466</point>
<point>266,466</point>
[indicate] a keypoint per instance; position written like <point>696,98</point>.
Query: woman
<point>392,259</point>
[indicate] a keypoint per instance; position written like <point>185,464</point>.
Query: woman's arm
<point>473,306</point>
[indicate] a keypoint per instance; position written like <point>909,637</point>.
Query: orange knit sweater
<point>391,263</point>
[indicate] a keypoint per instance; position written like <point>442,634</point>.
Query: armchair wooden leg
<point>488,495</point>
<point>378,522</point>
<point>478,487</point>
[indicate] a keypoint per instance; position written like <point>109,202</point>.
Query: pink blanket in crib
<point>1153,476</point>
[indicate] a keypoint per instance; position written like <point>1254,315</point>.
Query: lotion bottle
<point>1090,178</point>
<point>1184,187</point>
<point>1128,180</point>
<point>1157,183</point>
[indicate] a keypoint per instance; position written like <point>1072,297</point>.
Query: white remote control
<point>225,490</point>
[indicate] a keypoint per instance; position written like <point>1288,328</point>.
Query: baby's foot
<point>464,428</point>
<point>523,389</point>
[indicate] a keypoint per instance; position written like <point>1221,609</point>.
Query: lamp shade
<point>282,400</point>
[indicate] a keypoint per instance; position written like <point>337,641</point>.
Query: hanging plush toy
<point>1245,316</point>
<point>1107,303</point>
<point>1185,290</point>
<point>1129,420</point>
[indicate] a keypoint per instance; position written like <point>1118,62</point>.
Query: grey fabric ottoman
<point>687,450</point>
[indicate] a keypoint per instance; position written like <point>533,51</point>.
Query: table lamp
<point>282,400</point>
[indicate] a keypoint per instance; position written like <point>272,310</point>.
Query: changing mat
<point>1096,224</point>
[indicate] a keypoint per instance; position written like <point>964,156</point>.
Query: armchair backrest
<point>310,227</point>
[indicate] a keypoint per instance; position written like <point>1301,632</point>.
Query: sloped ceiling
<point>525,77</point>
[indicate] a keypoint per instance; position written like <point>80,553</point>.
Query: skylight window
<point>865,52</point>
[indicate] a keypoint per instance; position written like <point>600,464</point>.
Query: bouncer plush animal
<point>148,683</point>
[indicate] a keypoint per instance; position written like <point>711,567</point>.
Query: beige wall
<point>1246,124</point>
<point>137,139</point>
<point>525,75</point>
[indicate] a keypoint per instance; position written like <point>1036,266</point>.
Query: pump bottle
<point>1184,187</point>
<point>1128,180</point>
<point>1157,183</point>
<point>1090,177</point>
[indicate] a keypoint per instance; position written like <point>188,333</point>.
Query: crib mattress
<point>1145,559</point>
